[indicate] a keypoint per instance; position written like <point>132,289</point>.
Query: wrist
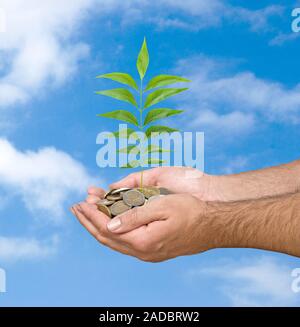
<point>218,221</point>
<point>227,188</point>
<point>213,225</point>
<point>229,224</point>
<point>269,182</point>
<point>268,224</point>
<point>216,188</point>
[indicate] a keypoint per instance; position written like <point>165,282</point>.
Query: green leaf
<point>159,129</point>
<point>132,149</point>
<point>119,94</point>
<point>123,115</point>
<point>123,133</point>
<point>160,113</point>
<point>155,149</point>
<point>131,164</point>
<point>153,161</point>
<point>143,60</point>
<point>163,80</point>
<point>122,78</point>
<point>160,95</point>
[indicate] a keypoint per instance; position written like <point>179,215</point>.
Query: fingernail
<point>114,224</point>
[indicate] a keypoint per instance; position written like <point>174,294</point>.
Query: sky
<point>242,58</point>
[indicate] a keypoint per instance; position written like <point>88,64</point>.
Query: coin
<point>119,207</point>
<point>149,191</point>
<point>114,197</point>
<point>119,190</point>
<point>108,192</point>
<point>103,208</point>
<point>134,198</point>
<point>155,197</point>
<point>105,202</point>
<point>164,191</point>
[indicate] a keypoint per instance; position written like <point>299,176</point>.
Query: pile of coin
<point>118,201</point>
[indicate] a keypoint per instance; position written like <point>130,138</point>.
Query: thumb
<point>135,218</point>
<point>134,179</point>
<point>131,180</point>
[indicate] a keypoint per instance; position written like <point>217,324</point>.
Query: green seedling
<point>143,99</point>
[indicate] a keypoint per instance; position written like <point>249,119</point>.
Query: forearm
<point>257,184</point>
<point>269,224</point>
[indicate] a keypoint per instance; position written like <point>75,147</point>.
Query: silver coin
<point>108,192</point>
<point>119,207</point>
<point>114,197</point>
<point>134,198</point>
<point>119,190</point>
<point>105,202</point>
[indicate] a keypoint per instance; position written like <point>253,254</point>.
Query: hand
<point>176,179</point>
<point>164,228</point>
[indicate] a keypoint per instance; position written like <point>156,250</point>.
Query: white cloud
<point>13,248</point>
<point>44,179</point>
<point>282,38</point>
<point>195,14</point>
<point>37,51</point>
<point>231,101</point>
<point>257,19</point>
<point>237,122</point>
<point>261,281</point>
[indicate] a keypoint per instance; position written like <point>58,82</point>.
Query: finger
<point>96,191</point>
<point>85,222</point>
<point>100,221</point>
<point>133,180</point>
<point>97,218</point>
<point>137,217</point>
<point>113,244</point>
<point>92,199</point>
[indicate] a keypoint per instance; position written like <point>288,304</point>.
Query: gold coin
<point>149,191</point>
<point>104,209</point>
<point>119,207</point>
<point>134,198</point>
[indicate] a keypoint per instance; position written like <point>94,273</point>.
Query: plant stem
<point>141,127</point>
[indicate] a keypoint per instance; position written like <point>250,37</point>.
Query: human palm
<point>176,179</point>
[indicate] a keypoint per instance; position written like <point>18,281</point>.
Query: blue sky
<point>243,60</point>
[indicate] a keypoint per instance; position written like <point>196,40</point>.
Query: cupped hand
<point>164,228</point>
<point>176,179</point>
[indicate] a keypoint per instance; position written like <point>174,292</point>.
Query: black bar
<point>120,316</point>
